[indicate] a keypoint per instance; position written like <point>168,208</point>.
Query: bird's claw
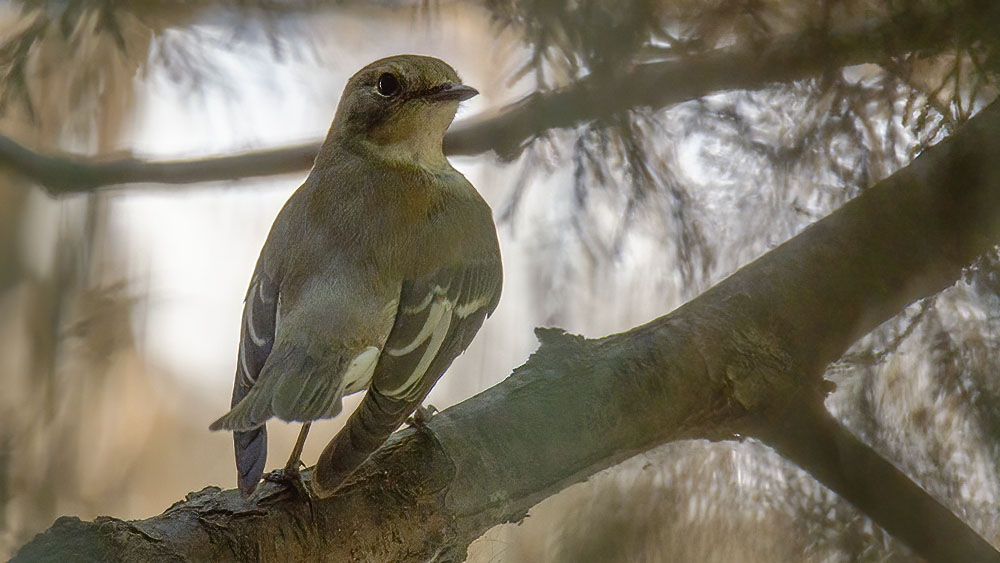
<point>422,416</point>
<point>290,485</point>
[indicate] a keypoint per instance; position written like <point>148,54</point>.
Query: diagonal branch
<point>745,357</point>
<point>655,85</point>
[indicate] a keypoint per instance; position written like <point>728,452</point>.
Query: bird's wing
<point>437,317</point>
<point>256,333</point>
<point>256,340</point>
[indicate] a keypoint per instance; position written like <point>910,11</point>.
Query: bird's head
<point>401,106</point>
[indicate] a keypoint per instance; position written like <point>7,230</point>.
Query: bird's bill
<point>450,92</point>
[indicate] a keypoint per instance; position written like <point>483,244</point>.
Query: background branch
<point>655,85</point>
<point>745,357</point>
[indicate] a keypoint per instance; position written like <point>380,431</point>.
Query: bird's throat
<point>423,153</point>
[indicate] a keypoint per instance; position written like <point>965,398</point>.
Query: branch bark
<point>745,357</point>
<point>655,85</point>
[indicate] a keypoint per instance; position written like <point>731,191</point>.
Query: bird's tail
<point>251,455</point>
<point>367,429</point>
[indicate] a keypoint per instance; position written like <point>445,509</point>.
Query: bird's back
<point>380,268</point>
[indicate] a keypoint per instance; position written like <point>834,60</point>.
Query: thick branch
<point>654,85</point>
<point>745,356</point>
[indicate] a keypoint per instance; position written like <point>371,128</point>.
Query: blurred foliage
<point>128,26</point>
<point>692,500</point>
<point>856,124</point>
<point>921,389</point>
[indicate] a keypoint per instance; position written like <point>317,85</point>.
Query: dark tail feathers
<point>251,455</point>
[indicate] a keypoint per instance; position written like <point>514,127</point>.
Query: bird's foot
<point>287,473</point>
<point>290,485</point>
<point>422,416</point>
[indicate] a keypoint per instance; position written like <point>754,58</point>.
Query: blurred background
<point>120,307</point>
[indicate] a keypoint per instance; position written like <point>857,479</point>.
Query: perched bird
<point>378,272</point>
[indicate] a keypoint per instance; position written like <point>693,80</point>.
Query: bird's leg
<point>289,475</point>
<point>292,467</point>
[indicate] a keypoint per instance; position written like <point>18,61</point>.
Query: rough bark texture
<point>747,357</point>
<point>653,85</point>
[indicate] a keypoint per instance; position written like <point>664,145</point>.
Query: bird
<point>376,274</point>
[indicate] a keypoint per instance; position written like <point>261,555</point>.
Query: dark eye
<point>388,85</point>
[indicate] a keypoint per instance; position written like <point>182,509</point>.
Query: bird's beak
<point>449,92</point>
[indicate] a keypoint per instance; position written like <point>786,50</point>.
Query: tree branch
<point>747,357</point>
<point>655,85</point>
<point>64,174</point>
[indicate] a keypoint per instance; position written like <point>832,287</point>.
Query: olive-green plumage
<point>376,274</point>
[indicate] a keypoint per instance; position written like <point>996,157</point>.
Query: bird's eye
<point>388,85</point>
